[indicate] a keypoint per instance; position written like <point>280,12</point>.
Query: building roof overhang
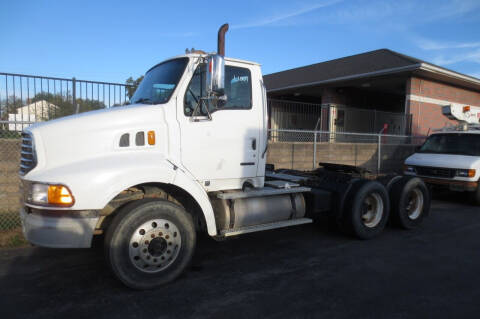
<point>402,66</point>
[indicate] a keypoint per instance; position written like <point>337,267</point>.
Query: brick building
<point>382,87</point>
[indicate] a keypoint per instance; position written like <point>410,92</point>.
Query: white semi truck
<point>187,156</point>
<point>450,158</point>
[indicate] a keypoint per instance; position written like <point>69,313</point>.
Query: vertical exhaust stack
<point>221,39</point>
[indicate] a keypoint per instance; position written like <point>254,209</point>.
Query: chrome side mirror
<point>215,75</point>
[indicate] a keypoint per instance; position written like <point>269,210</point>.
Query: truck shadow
<point>42,280</point>
<point>459,198</point>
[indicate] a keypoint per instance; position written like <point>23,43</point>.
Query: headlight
<point>50,195</point>
<point>409,169</point>
<point>466,172</point>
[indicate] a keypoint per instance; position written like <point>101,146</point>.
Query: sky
<point>113,40</point>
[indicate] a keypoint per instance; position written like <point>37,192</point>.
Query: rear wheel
<point>367,210</point>
<point>150,243</point>
<point>410,202</point>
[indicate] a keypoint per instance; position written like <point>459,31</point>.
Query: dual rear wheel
<point>367,210</point>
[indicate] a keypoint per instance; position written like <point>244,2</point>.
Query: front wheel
<point>150,243</point>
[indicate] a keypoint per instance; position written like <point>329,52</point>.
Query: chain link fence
<point>304,150</point>
<point>9,180</point>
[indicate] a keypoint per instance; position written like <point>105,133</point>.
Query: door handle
<point>254,144</point>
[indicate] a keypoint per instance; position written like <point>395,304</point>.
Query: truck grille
<point>28,159</point>
<point>435,171</point>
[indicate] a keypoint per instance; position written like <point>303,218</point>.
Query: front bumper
<point>453,185</point>
<point>62,231</point>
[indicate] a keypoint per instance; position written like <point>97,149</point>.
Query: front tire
<point>150,243</point>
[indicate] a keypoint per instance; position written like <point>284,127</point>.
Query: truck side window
<point>238,89</point>
<point>195,90</point>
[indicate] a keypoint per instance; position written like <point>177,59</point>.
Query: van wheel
<point>410,202</point>
<point>149,243</point>
<point>367,210</point>
<point>475,196</point>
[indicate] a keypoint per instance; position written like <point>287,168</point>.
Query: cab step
<point>255,228</point>
<point>260,192</point>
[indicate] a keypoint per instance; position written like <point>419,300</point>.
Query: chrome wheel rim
<point>372,210</point>
<point>414,204</point>
<point>155,245</point>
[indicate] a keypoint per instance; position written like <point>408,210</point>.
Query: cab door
<point>221,152</point>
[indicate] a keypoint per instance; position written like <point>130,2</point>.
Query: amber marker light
<point>471,173</point>
<point>60,195</point>
<point>151,137</point>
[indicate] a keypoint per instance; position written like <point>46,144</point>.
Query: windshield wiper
<point>143,100</point>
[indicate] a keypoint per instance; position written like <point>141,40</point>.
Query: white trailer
<point>188,155</point>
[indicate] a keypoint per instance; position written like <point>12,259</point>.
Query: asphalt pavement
<point>305,271</point>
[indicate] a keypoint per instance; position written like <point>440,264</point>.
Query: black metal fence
<point>25,99</point>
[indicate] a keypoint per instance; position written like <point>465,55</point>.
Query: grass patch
<point>12,238</point>
<point>10,134</point>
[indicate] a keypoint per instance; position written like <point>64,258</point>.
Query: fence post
<point>314,149</point>
<point>74,95</point>
<point>315,141</point>
<point>379,153</point>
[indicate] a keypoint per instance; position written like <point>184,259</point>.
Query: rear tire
<point>366,210</point>
<point>410,202</point>
<point>149,243</point>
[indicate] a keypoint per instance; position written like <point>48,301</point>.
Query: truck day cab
<point>451,158</point>
<point>188,155</point>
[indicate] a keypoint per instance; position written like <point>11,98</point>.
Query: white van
<point>450,158</point>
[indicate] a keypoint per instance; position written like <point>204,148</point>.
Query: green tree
<point>132,85</point>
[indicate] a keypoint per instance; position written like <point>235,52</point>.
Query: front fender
<point>95,182</point>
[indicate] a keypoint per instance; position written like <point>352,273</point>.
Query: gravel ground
<point>304,271</point>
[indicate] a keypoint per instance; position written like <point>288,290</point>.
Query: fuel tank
<point>241,212</point>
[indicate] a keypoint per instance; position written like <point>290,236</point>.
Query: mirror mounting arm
<point>196,115</point>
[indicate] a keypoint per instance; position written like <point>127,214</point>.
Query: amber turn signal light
<point>151,137</point>
<point>471,173</point>
<point>60,195</point>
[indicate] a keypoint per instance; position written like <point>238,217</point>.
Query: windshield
<point>160,82</point>
<point>452,143</point>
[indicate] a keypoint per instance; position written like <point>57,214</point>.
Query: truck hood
<point>96,134</point>
<point>443,160</point>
